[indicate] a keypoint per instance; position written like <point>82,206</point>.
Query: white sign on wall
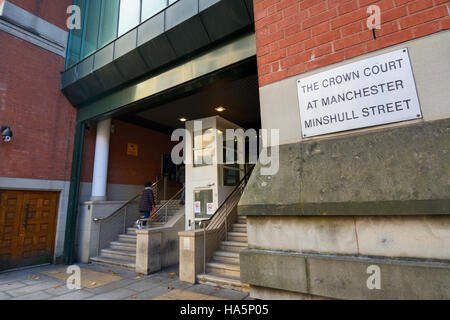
<point>197,207</point>
<point>370,92</point>
<point>210,208</point>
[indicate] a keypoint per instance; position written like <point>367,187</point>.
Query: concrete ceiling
<point>240,97</point>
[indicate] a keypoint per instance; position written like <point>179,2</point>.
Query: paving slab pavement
<point>106,283</point>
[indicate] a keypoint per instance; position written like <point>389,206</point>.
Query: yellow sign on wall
<point>132,149</point>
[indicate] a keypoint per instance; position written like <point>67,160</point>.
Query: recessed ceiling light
<point>183,119</point>
<point>220,109</point>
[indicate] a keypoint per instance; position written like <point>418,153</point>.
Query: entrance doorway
<point>27,227</point>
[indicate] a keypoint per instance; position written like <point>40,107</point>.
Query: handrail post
<point>204,251</point>
<point>125,220</point>
<point>226,228</point>
<point>165,187</point>
<point>99,236</point>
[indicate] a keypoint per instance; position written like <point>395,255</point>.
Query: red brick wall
<point>53,11</point>
<point>41,118</point>
<point>125,169</point>
<point>296,36</point>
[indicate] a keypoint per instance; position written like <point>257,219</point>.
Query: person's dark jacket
<point>147,200</point>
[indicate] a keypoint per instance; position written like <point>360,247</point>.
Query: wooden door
<point>27,227</point>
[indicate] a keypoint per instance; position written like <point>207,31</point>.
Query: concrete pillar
<point>192,257</point>
<point>148,251</point>
<point>99,177</point>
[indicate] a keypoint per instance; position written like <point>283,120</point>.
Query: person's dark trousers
<point>183,194</point>
<point>146,215</point>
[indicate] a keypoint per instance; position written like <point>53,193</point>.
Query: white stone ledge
<point>26,26</point>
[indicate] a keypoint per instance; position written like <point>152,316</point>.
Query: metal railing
<point>161,214</point>
<point>121,219</point>
<point>216,229</point>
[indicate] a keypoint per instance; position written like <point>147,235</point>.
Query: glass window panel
<point>91,28</point>
<point>108,24</point>
<point>74,46</point>
<point>230,155</point>
<point>204,196</point>
<point>203,157</point>
<point>231,177</point>
<point>129,16</point>
<point>204,147</point>
<point>152,7</point>
<point>204,140</point>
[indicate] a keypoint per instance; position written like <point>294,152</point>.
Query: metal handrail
<point>116,213</point>
<point>232,193</point>
<point>218,223</point>
<point>157,213</point>
<point>126,204</point>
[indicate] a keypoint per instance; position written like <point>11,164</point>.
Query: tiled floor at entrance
<point>106,283</point>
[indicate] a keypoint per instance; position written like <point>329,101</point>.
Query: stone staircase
<point>122,252</point>
<point>224,269</point>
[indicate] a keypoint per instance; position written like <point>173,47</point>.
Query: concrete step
<point>125,264</point>
<point>153,224</point>
<point>161,220</point>
<point>123,245</point>
<point>131,231</point>
<point>226,269</point>
<point>237,236</point>
<point>156,224</point>
<point>228,282</point>
<point>242,220</point>
<point>233,246</point>
<point>162,214</point>
<point>128,238</point>
<point>169,213</point>
<point>170,206</point>
<point>238,227</point>
<point>226,257</point>
<point>118,254</point>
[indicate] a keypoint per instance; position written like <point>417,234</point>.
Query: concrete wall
<point>126,169</point>
<point>87,242</point>
<point>423,237</point>
<point>343,203</point>
<point>343,277</point>
<point>158,248</point>
<point>114,192</point>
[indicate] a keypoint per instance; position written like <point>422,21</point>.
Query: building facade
<point>35,170</point>
<point>365,213</point>
<point>358,208</point>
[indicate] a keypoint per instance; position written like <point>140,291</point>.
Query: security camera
<point>6,134</point>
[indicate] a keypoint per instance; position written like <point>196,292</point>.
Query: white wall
<point>205,177</point>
